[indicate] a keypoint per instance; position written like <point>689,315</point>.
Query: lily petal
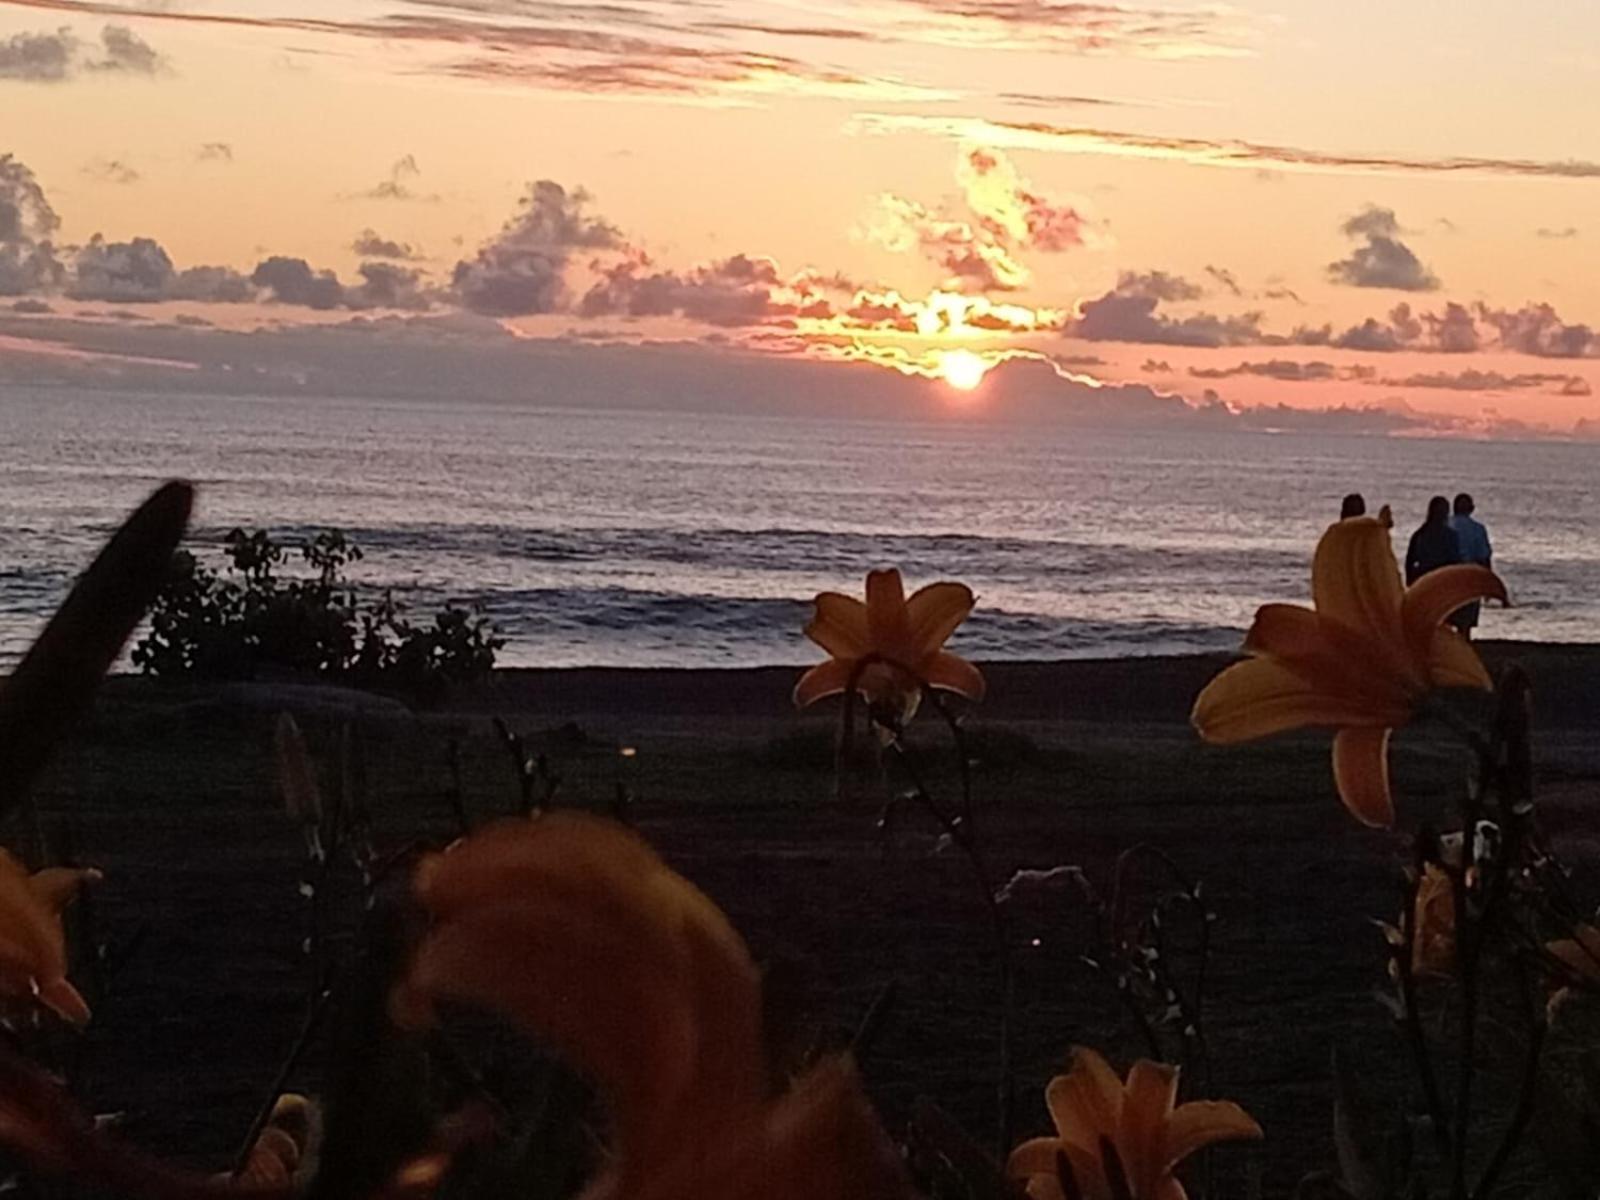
<point>823,680</point>
<point>955,674</point>
<point>61,998</point>
<point>1439,593</point>
<point>1152,1091</point>
<point>1037,1156</point>
<point>839,625</point>
<point>1199,1123</point>
<point>1327,655</point>
<point>1452,662</point>
<point>934,612</point>
<point>888,629</point>
<point>1355,579</point>
<point>1259,697</point>
<point>1361,771</point>
<point>1085,1103</point>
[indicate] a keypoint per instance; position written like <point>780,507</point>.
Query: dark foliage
<point>252,620</point>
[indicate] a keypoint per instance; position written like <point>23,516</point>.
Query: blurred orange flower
<point>1580,952</point>
<point>33,949</point>
<point>1105,1127</point>
<point>1433,945</point>
<point>901,639</point>
<point>1360,662</point>
<point>572,927</point>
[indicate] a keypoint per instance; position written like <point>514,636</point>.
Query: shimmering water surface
<point>681,539</point>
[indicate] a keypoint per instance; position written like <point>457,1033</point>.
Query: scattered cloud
<point>1130,313</point>
<point>124,50</point>
<point>294,281</point>
<point>58,56</point>
<point>370,244</point>
<point>1382,260</point>
<point>1534,329</point>
<point>1226,278</point>
<point>39,57</point>
<point>1561,234</point>
<point>521,271</point>
<point>111,170</point>
<point>215,152</point>
<point>396,185</point>
<point>1473,380</point>
<point>121,272</point>
<point>1285,371</point>
<point>1069,139</point>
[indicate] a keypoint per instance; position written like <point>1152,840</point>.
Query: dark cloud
<point>61,55</point>
<point>521,271</point>
<point>121,272</point>
<point>294,281</point>
<point>1472,380</point>
<point>1537,329</point>
<point>39,57</point>
<point>370,244</point>
<point>1561,234</point>
<point>1128,313</point>
<point>124,50</point>
<point>25,212</point>
<point>387,285</point>
<point>215,152</point>
<point>1226,278</point>
<point>1075,139</point>
<point>1158,285</point>
<point>213,285</point>
<point>32,307</point>
<point>28,261</point>
<point>737,291</point>
<point>1284,370</point>
<point>1382,260</point>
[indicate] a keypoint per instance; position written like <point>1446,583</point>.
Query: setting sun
<point>962,369</point>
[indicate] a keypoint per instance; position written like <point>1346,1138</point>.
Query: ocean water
<point>679,539</point>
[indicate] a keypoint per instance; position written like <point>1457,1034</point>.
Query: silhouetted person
<point>1474,541</point>
<point>1434,544</point>
<point>1355,505</point>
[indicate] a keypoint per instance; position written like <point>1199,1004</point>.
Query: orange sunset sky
<point>1384,214</point>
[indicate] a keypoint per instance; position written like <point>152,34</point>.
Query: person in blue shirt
<point>1434,544</point>
<point>1474,542</point>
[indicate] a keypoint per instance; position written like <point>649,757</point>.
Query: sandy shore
<point>170,790</point>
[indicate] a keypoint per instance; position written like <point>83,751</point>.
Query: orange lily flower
<point>903,639</point>
<point>1581,952</point>
<point>33,948</point>
<point>1433,944</point>
<point>1139,1120</point>
<point>572,927</point>
<point>1361,661</point>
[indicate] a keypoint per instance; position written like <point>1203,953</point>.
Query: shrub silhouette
<point>253,619</point>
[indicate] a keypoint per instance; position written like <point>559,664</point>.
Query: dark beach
<point>170,790</point>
